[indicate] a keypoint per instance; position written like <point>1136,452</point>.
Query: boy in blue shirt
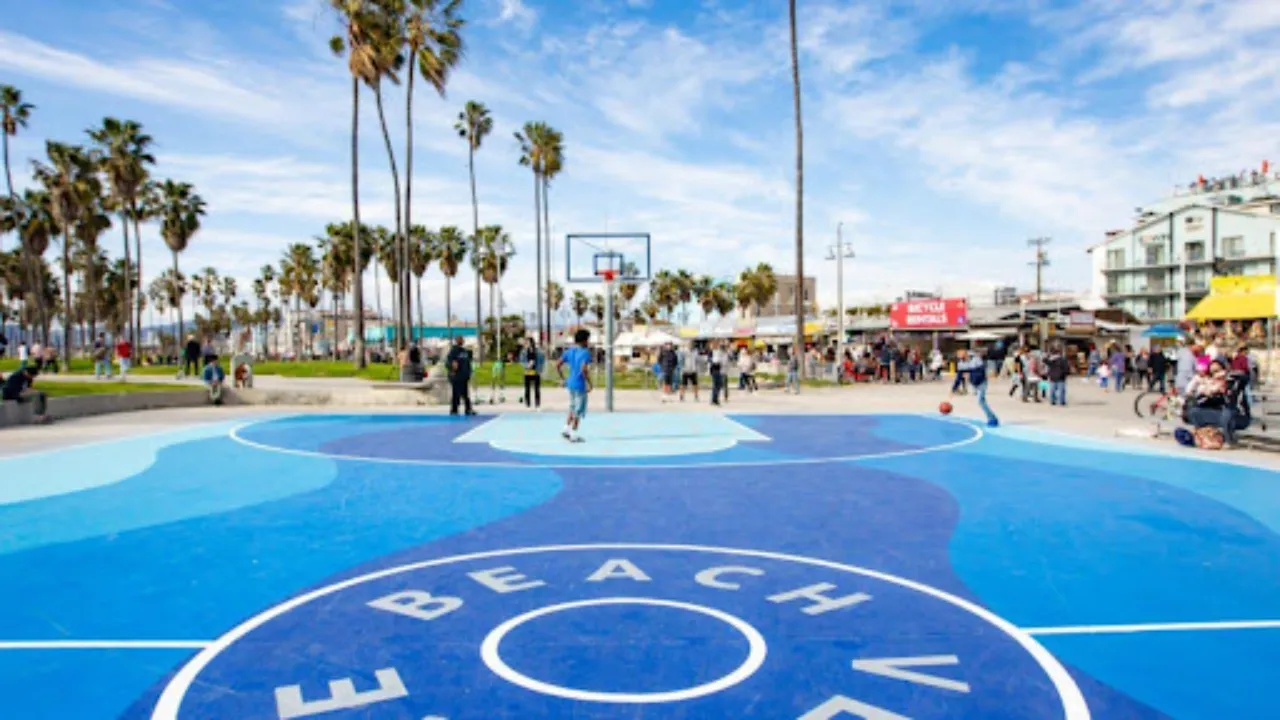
<point>578,383</point>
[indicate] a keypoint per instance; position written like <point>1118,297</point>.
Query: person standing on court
<point>976,370</point>
<point>190,357</point>
<point>578,382</point>
<point>533,361</point>
<point>719,382</point>
<point>459,364</point>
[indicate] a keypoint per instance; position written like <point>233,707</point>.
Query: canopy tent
<point>624,342</point>
<point>1237,298</point>
<point>980,336</point>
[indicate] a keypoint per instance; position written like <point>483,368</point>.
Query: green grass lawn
<point>68,389</point>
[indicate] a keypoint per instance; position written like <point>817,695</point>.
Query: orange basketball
<point>945,408</point>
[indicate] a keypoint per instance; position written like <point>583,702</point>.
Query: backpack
<point>1209,438</point>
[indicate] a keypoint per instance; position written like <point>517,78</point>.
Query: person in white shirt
<point>719,379</point>
<point>747,366</point>
<point>688,371</point>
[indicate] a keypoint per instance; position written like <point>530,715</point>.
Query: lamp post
<point>838,253</point>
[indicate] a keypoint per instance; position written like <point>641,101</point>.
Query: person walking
<point>124,355</point>
<point>668,363</point>
<point>747,368</point>
<point>1187,359</point>
<point>688,371</point>
<point>190,357</point>
<point>458,363</point>
<point>1157,369</point>
<point>578,382</point>
<point>532,361</point>
<point>793,374</point>
<point>101,358</point>
<point>1058,369</point>
<point>975,368</point>
<point>719,381</point>
<point>1118,363</point>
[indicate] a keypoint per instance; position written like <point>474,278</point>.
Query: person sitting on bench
<point>18,388</point>
<point>213,377</point>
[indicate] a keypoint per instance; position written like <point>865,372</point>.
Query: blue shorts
<point>578,403</point>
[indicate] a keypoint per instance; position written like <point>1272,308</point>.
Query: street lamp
<point>838,253</point>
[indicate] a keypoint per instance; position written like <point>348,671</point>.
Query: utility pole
<point>1041,261</point>
<point>838,253</point>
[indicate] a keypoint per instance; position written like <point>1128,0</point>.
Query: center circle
<point>492,658</point>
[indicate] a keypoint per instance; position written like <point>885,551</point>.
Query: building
<point>783,301</point>
<point>1159,268</point>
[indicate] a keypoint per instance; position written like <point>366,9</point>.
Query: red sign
<point>934,314</point>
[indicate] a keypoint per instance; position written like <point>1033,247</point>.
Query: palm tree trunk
<point>137,242</point>
<point>93,297</point>
<point>448,306</point>
<point>66,299</point>
<point>178,305</point>
<point>401,247</point>
<point>377,296</point>
<point>495,321</point>
<point>475,232</point>
<point>537,222</point>
<point>420,314</point>
<point>128,275</point>
<point>408,193</point>
<point>795,84</point>
<point>8,175</point>
<point>546,225</point>
<point>358,290</point>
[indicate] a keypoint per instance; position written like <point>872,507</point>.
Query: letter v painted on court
<point>896,668</point>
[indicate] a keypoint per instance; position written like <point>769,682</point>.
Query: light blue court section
<point>614,435</point>
<point>94,465</point>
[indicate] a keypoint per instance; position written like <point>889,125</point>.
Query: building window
<point>1155,254</point>
<point>1115,259</point>
<point>1233,247</point>
<point>1155,282</point>
<point>1113,285</point>
<point>1195,252</point>
<point>1197,278</point>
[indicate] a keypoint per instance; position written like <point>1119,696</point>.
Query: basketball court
<point>674,565</point>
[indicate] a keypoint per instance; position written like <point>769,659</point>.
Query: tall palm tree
<point>432,36</point>
<point>795,86</point>
<point>180,212</point>
<point>532,139</point>
<point>597,308</point>
<point>580,304</point>
<point>450,252</point>
<point>70,178</point>
<point>146,207</point>
<point>492,256</point>
<point>301,272</point>
<point>93,220</point>
<point>422,244</point>
<point>126,155</point>
<point>553,163</point>
<point>474,123</point>
<point>555,297</point>
<point>14,114</point>
<point>32,220</point>
<point>389,257</point>
<point>356,42</point>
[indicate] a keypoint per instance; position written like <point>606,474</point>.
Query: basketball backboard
<point>588,255</point>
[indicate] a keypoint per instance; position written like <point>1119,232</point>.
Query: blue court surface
<point>675,565</point>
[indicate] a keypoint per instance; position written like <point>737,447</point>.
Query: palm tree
<point>14,114</point>
<point>627,293</point>
<point>700,287</point>
<point>71,180</point>
<point>180,212</point>
<point>32,220</point>
<point>147,207</point>
<point>473,125</point>
<point>91,223</point>
<point>300,272</point>
<point>579,304</point>
<point>553,163</point>
<point>597,308</point>
<point>431,34</point>
<point>494,252</point>
<point>422,243</point>
<point>357,43</point>
<point>555,297</point>
<point>795,86</point>
<point>389,258</point>
<point>126,155</point>
<point>533,145</point>
<point>450,252</point>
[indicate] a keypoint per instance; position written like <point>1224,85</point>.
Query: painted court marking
<point>756,651</point>
<point>1073,703</point>
<point>103,644</point>
<point>1154,627</point>
<point>978,434</point>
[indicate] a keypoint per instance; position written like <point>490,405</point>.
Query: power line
<point>1041,261</point>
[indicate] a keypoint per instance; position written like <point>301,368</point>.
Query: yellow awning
<point>1243,306</point>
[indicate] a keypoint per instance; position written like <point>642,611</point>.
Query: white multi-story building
<point>1160,268</point>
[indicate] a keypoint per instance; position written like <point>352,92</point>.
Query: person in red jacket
<point>124,353</point>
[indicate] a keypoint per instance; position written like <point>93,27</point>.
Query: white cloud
<point>843,38</point>
<point>516,13</point>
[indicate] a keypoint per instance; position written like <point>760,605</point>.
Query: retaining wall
<point>61,408</point>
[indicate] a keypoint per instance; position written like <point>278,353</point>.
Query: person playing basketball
<point>578,382</point>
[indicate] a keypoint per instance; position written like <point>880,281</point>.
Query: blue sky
<point>942,134</point>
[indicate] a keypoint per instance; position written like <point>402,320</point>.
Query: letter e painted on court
<point>618,569</point>
<point>504,580</point>
<point>896,668</point>
<point>843,707</point>
<point>418,604</point>
<point>821,603</point>
<point>711,576</point>
<point>342,696</point>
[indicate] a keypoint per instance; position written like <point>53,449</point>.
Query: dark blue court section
<point>1041,530</point>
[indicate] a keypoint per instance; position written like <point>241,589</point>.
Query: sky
<point>942,135</point>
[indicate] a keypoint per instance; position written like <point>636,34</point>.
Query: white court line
<point>104,644</point>
<point>758,436</point>
<point>463,437</point>
<point>978,434</point>
<point>1153,627</point>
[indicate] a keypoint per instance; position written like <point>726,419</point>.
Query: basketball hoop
<point>607,275</point>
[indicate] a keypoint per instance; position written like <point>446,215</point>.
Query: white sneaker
<point>567,434</point>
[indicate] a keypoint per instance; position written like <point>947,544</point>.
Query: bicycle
<point>1159,406</point>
